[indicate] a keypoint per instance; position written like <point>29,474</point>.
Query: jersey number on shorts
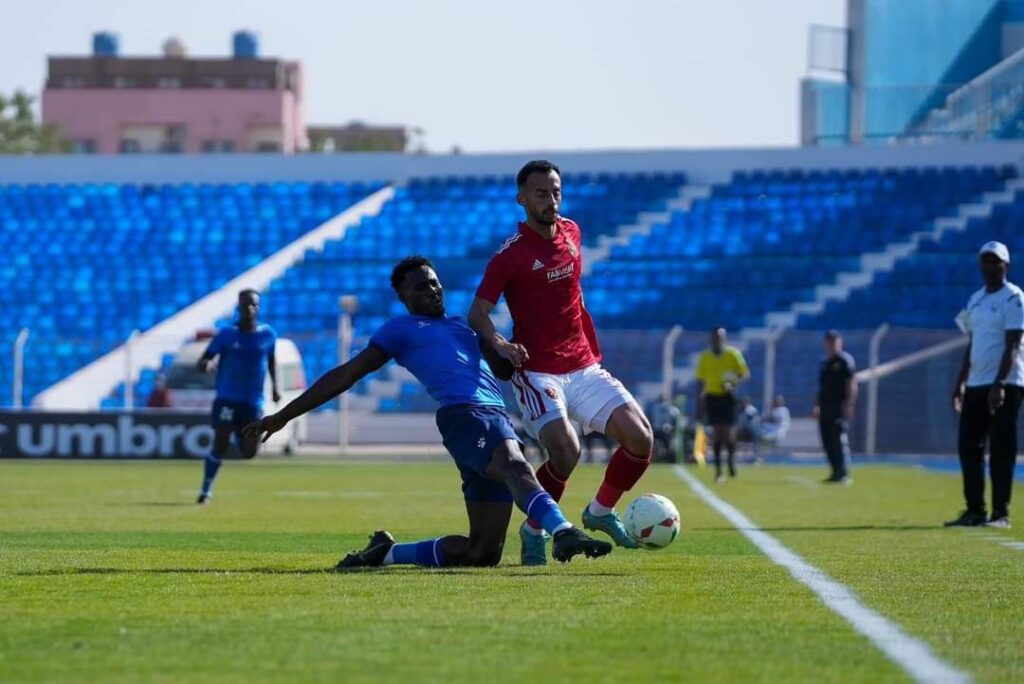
<point>227,413</point>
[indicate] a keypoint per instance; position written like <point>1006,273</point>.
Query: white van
<point>189,389</point>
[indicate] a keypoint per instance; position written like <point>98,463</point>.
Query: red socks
<point>624,470</point>
<point>552,484</point>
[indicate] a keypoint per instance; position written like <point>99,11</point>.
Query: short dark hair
<point>535,166</point>
<point>248,291</point>
<point>407,264</point>
<point>832,334</point>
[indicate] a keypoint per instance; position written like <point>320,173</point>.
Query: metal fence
<point>987,109</point>
<point>904,404</point>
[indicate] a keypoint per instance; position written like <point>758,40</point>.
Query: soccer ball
<point>652,520</point>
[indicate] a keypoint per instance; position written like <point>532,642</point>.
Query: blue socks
<point>428,554</point>
<point>541,507</point>
<point>425,553</point>
<point>211,464</point>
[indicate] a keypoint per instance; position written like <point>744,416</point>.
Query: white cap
<point>997,248</point>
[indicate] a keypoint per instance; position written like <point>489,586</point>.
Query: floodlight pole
<point>348,305</point>
<point>771,342</point>
<point>668,361</point>
<point>18,383</point>
<point>129,372</point>
<point>871,438</point>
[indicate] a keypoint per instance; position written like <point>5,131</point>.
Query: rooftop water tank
<point>105,44</point>
<point>246,45</point>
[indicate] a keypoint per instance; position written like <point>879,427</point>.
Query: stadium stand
<point>458,222</point>
<point>90,263</point>
<point>917,292</point>
<point>752,234</point>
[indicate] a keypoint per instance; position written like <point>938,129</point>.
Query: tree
<point>21,134</point>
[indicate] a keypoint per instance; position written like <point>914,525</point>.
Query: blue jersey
<point>444,354</point>
<point>242,368</point>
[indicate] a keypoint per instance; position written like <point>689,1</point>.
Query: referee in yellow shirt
<point>719,369</point>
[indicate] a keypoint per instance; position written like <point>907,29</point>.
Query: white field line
<point>805,482</point>
<point>1008,542</point>
<point>909,653</point>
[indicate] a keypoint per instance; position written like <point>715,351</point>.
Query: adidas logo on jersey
<point>537,265</point>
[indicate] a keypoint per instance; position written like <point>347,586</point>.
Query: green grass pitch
<point>109,573</point>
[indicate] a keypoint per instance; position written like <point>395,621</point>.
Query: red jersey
<point>541,282</point>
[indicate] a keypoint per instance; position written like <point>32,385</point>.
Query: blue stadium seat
<point>89,263</point>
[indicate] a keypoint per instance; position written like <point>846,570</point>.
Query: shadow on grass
<point>840,528</point>
<point>157,504</point>
<point>58,572</point>
<point>510,571</point>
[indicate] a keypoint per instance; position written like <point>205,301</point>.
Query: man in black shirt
<point>837,395</point>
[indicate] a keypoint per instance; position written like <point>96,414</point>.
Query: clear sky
<point>487,75</point>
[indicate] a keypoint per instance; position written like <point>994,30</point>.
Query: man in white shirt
<point>989,390</point>
<point>748,421</point>
<point>775,423</point>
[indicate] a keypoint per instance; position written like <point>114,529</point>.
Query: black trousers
<point>833,428</point>
<point>978,426</point>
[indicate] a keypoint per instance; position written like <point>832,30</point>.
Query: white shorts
<point>586,396</point>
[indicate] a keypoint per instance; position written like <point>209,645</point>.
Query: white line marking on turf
<point>911,654</point>
<point>805,482</point>
<point>1008,542</point>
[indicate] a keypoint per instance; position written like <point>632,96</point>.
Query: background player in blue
<point>246,352</point>
<point>445,355</point>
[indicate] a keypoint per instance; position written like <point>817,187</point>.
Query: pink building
<point>109,104</point>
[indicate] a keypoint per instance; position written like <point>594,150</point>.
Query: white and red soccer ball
<point>652,520</point>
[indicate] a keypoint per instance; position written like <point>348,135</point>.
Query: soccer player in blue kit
<point>445,355</point>
<point>246,352</point>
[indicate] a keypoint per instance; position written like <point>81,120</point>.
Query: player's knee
<point>509,461</point>
<point>519,468</point>
<point>563,449</point>
<point>639,440</point>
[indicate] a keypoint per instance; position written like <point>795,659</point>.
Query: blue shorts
<point>471,434</point>
<point>234,414</point>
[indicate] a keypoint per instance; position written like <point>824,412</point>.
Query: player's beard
<point>546,219</point>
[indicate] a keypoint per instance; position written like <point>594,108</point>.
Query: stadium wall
<point>701,166</point>
<point>951,42</point>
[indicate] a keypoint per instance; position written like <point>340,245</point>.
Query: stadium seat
<point>92,262</point>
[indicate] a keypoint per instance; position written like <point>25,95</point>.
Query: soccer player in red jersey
<point>554,349</point>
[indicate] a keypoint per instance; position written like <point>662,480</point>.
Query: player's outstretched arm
<point>329,385</point>
<point>272,369</point>
<point>501,367</point>
<point>205,361</point>
<point>480,320</point>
